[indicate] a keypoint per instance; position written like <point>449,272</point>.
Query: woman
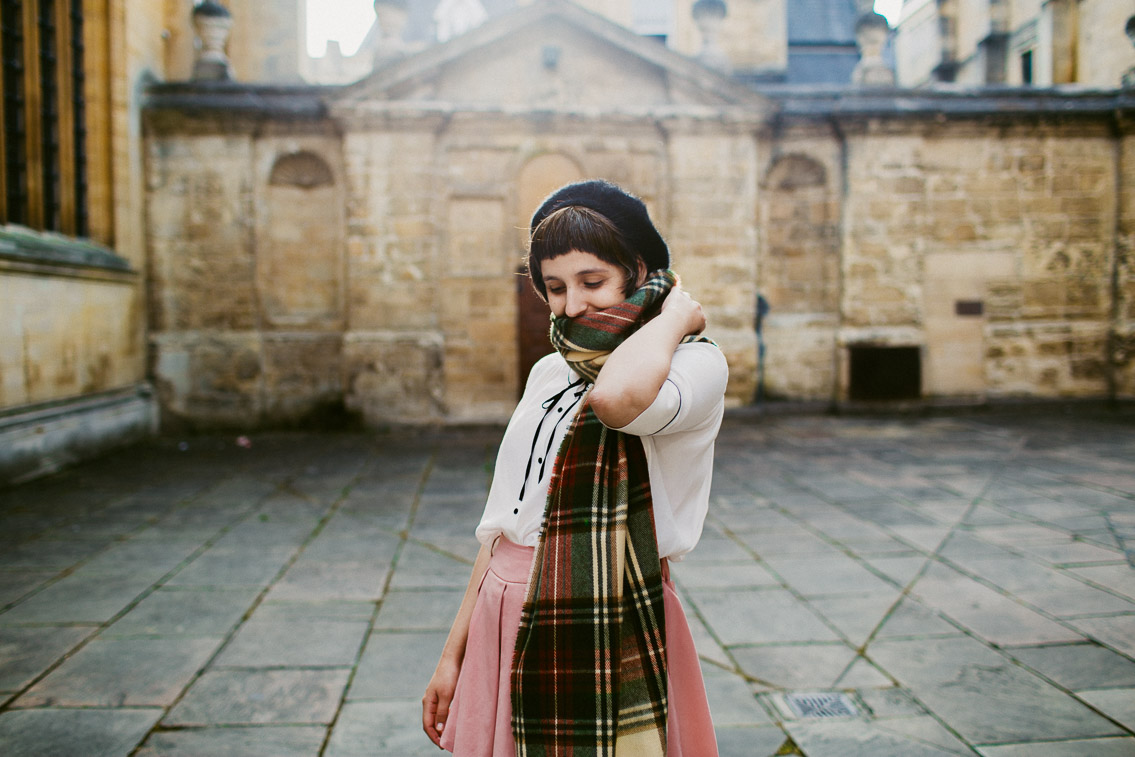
<point>570,638</point>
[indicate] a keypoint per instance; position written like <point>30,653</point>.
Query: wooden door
<point>532,326</point>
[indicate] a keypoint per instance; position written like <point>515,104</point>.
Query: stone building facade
<point>358,247</point>
<point>72,264</point>
<point>261,252</point>
<point>1014,42</point>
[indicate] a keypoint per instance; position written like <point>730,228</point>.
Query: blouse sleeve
<point>690,395</point>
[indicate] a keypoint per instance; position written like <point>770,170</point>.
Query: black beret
<point>625,211</point>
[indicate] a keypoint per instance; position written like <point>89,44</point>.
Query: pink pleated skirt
<point>479,723</point>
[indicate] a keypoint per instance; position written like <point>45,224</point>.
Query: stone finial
<point>871,33</point>
<point>212,22</point>
<point>391,17</point>
<point>1128,80</point>
<point>709,15</point>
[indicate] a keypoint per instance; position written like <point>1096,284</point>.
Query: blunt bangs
<point>578,228</point>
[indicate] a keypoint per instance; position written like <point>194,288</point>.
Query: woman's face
<point>579,283</point>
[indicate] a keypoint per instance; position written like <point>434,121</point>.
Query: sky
<point>349,20</point>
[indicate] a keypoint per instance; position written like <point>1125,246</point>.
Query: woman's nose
<point>576,304</point>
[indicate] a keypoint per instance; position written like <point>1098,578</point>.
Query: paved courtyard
<point>966,584</point>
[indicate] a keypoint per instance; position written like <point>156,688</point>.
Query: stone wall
<point>1026,219</point>
<point>72,325</point>
<point>799,262</point>
<point>248,298</point>
<point>71,334</point>
<point>366,259</point>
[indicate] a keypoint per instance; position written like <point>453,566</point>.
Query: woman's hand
<point>684,310</point>
<point>435,703</point>
<point>637,368</point>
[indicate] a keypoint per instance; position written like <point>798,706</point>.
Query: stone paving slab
<point>250,741</point>
<point>26,652</point>
<point>170,612</point>
<point>392,664</point>
<point>962,580</point>
<point>960,680</point>
<point>53,732</point>
<point>1113,747</point>
<point>122,673</point>
<point>239,697</point>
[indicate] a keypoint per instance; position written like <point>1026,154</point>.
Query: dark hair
<point>574,227</point>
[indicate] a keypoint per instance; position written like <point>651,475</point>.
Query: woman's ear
<point>642,273</point>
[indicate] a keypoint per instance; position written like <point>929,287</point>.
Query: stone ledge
<point>953,101</point>
<point>23,250</point>
<point>289,100</point>
<point>40,439</point>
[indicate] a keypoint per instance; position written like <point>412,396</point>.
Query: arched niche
<point>303,169</point>
<point>800,212</point>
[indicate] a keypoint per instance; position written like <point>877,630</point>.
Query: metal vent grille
<point>828,704</point>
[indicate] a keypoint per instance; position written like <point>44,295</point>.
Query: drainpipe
<point>844,192</point>
<point>1116,347</point>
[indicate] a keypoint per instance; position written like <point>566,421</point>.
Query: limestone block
<point>393,377</point>
<point>476,244</point>
<point>1046,359</point>
<point>208,379</point>
<point>799,360</point>
<point>407,302</point>
<point>66,336</point>
<point>199,206</point>
<point>739,346</point>
<point>302,377</point>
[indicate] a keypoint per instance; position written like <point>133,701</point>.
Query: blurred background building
<point>205,227</point>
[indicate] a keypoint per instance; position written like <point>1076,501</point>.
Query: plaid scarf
<point>589,673</point>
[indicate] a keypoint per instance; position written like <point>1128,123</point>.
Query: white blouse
<point>678,432</point>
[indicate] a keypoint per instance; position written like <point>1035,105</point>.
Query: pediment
<point>552,55</point>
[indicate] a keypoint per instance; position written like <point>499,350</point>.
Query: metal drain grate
<point>827,704</point>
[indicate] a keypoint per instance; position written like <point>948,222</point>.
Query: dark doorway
<point>532,326</point>
<point>886,373</point>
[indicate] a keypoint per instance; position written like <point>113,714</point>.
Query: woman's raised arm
<point>636,369</point>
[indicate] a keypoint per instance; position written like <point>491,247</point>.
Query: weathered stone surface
<point>170,612</point>
<point>260,741</point>
<point>762,617</point>
<point>93,732</point>
<point>909,737</point>
<point>123,672</point>
<point>801,667</point>
<point>957,678</point>
<point>273,642</point>
<point>236,697</point>
<point>1109,747</point>
<point>419,610</point>
<point>26,652</point>
<point>1079,666</point>
<point>80,598</point>
<point>377,729</point>
<point>391,667</point>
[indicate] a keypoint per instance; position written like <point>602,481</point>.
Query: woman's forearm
<point>635,371</point>
<point>454,648</point>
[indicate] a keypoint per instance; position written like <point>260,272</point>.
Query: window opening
<point>42,123</point>
<point>1027,67</point>
<point>885,373</point>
